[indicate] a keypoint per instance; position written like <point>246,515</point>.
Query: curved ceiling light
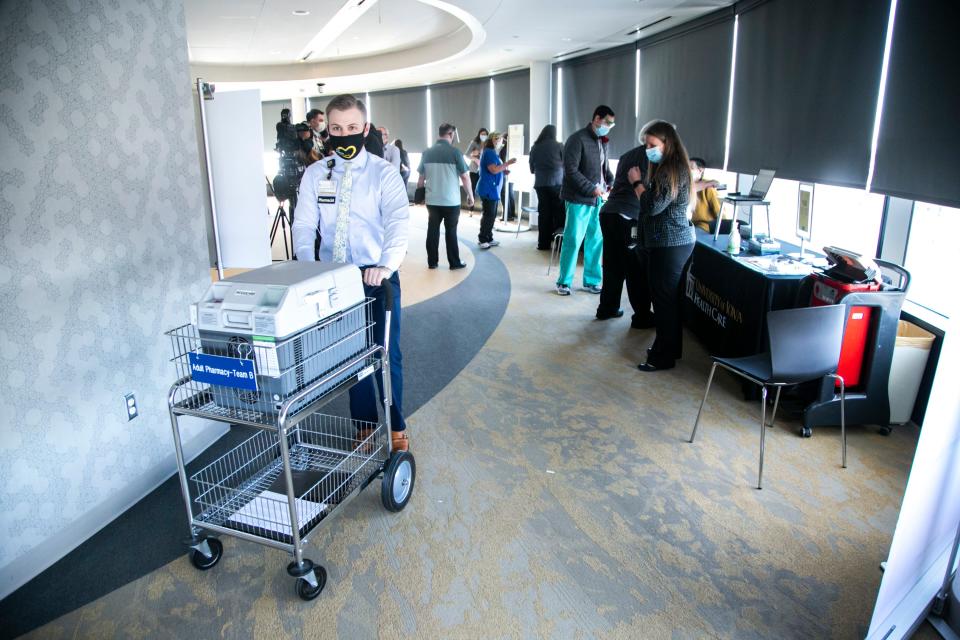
<point>477,33</point>
<point>336,26</point>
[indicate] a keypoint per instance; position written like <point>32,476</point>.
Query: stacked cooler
<point>298,321</point>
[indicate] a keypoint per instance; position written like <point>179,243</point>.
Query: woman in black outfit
<point>404,162</point>
<point>666,235</point>
<point>546,165</point>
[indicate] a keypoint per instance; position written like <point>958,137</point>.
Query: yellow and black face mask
<point>347,147</point>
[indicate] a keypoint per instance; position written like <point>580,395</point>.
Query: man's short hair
<point>345,102</point>
<point>602,112</point>
<point>313,113</point>
<point>446,129</point>
<point>700,162</point>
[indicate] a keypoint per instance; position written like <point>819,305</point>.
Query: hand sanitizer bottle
<point>733,244</point>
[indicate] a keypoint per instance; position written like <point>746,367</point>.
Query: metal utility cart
<point>301,466</point>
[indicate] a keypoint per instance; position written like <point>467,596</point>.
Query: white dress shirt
<point>379,212</point>
<point>392,155</point>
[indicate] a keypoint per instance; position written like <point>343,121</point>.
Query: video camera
<point>291,144</point>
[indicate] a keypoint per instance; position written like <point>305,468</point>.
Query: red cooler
<point>831,287</point>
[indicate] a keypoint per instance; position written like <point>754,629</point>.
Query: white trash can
<point>910,354</point>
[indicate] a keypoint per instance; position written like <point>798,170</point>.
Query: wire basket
<point>258,373</point>
<point>246,490</point>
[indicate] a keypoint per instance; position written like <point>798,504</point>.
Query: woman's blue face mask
<point>654,154</point>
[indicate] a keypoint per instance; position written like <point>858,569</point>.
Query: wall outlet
<point>131,406</point>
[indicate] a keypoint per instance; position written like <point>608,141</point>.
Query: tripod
<point>281,222</point>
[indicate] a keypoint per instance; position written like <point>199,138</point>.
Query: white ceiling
<point>394,43</point>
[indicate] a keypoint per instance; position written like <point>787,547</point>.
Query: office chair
<point>804,345</point>
<point>555,247</point>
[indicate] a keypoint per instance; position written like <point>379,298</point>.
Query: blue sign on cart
<point>223,371</point>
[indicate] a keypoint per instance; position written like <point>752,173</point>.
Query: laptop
<point>759,189</point>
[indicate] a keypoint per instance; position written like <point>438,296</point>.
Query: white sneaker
<point>484,245</point>
<point>563,290</point>
<point>494,243</point>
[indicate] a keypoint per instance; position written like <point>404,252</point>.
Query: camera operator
<point>291,141</point>
<point>318,129</point>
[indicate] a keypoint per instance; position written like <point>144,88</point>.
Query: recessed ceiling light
<point>566,39</point>
<point>301,12</point>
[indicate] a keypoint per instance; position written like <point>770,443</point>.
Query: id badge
<point>633,232</point>
<point>326,192</point>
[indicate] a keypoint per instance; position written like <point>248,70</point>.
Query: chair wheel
<point>201,561</point>
<point>806,432</point>
<point>885,431</point>
<point>399,477</point>
<point>305,590</point>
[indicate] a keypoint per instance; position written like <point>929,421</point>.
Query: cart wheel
<point>806,432</point>
<point>398,479</point>
<point>308,592</point>
<point>201,561</point>
<point>885,431</point>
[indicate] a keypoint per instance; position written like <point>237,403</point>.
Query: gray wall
<point>102,247</point>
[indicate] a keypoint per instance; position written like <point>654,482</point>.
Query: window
<point>846,218</point>
<point>842,217</point>
<point>929,260</point>
<point>725,178</point>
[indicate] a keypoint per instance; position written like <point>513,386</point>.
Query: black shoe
<point>431,266</point>
<point>607,316</point>
<point>459,265</point>
<point>650,366</point>
<point>648,323</point>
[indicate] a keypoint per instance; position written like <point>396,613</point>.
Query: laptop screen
<point>762,184</point>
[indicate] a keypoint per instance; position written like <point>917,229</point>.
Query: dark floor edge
<point>439,337</point>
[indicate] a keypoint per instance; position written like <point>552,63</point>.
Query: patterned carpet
<point>557,497</point>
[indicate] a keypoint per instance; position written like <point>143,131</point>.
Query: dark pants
<point>449,216</point>
<point>474,179</point>
<point>622,264</point>
<point>665,267</point>
<point>364,398</point>
<point>486,221</point>
<point>512,210</point>
<point>551,214</point>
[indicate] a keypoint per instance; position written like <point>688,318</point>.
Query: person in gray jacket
<point>546,165</point>
<point>586,179</point>
<point>666,234</point>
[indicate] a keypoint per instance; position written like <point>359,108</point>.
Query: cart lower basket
<point>296,471</point>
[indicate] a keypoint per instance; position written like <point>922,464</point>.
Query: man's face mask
<point>347,147</point>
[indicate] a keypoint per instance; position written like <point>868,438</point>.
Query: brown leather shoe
<point>371,444</point>
<point>400,440</point>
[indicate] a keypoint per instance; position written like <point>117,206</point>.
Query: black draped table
<point>726,298</point>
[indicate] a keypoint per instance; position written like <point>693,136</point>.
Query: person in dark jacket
<point>624,259</point>
<point>374,141</point>
<point>667,235</point>
<point>404,162</point>
<point>586,179</point>
<point>546,165</point>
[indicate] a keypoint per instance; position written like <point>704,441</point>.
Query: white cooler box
<point>298,320</point>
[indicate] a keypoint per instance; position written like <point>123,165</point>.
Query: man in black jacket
<point>623,258</point>
<point>586,178</point>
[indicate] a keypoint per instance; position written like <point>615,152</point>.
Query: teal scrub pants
<point>583,226</point>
